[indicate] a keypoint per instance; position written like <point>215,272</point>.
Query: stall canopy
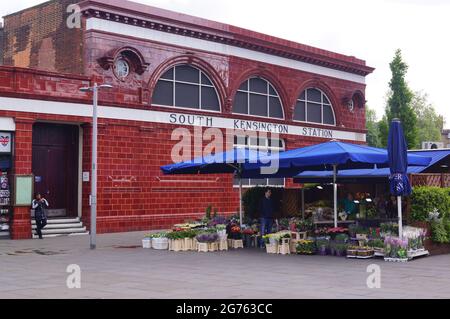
<point>362,176</point>
<point>336,155</point>
<point>233,161</point>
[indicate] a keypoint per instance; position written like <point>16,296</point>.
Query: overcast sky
<point>371,30</point>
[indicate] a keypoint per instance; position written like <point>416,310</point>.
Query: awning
<point>369,175</point>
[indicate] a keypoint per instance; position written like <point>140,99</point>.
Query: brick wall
<point>38,37</point>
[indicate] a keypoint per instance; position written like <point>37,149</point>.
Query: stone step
<point>60,226</point>
<point>60,235</point>
<point>62,231</point>
<point>59,221</point>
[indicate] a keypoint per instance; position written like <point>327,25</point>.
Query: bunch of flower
<point>374,232</point>
<point>156,235</point>
<point>307,247</point>
<point>217,220</point>
<point>433,216</point>
<point>248,231</point>
<point>395,247</point>
<point>336,230</point>
<point>389,229</point>
<point>304,225</point>
<point>221,226</point>
<point>416,237</point>
<point>207,237</point>
<point>321,231</point>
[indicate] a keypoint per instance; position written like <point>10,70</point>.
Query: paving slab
<point>120,268</point>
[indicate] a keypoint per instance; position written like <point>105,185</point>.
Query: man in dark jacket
<point>266,210</point>
<point>39,205</point>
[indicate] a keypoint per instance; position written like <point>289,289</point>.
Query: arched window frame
<point>322,94</point>
<point>199,84</point>
<point>261,144</point>
<point>268,95</point>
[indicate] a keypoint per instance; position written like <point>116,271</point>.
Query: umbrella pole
<point>303,202</point>
<point>335,195</point>
<point>400,223</point>
<point>240,200</point>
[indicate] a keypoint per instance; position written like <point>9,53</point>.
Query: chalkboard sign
<point>23,190</point>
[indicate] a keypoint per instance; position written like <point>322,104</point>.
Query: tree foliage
<point>430,123</point>
<point>399,104</point>
<point>373,133</point>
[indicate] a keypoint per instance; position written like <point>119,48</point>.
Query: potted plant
<point>395,249</point>
<point>306,247</point>
<point>322,246</point>
<point>160,241</point>
<point>352,251</point>
<point>248,237</point>
<point>147,241</point>
<point>341,249</point>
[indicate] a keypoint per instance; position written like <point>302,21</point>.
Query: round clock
<point>122,68</point>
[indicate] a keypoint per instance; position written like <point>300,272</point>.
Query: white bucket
<point>147,243</point>
<point>160,243</point>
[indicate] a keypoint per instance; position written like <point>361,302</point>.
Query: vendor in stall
<point>266,210</point>
<point>348,204</point>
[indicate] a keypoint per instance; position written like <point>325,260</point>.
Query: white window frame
<point>267,95</point>
<point>321,104</point>
<point>266,147</point>
<point>199,84</point>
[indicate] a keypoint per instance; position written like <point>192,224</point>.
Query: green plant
<point>439,232</point>
<point>208,212</point>
<point>306,247</point>
<point>425,199</point>
<point>376,243</point>
<point>341,238</point>
<point>215,212</point>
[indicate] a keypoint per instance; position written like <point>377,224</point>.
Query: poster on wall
<point>5,142</point>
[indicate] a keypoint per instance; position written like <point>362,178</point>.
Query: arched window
<point>258,97</point>
<point>185,86</point>
<point>313,106</point>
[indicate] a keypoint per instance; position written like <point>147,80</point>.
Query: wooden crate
<point>272,248</point>
<point>293,246</point>
<point>202,247</point>
<point>223,245</point>
<point>237,243</point>
<point>188,244</point>
<point>284,248</point>
<point>299,235</point>
<point>176,244</point>
<point>213,246</point>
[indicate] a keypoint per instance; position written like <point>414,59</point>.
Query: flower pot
<point>272,248</point>
<point>322,250</point>
<point>147,243</point>
<point>160,243</point>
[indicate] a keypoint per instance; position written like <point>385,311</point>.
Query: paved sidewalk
<point>118,269</point>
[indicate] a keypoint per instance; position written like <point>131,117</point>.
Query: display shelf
<point>418,253</point>
<point>359,257</point>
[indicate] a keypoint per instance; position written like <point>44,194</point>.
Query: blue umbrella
<point>232,161</point>
<point>398,165</point>
<point>332,155</point>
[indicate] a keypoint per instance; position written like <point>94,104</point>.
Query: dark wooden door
<point>55,166</point>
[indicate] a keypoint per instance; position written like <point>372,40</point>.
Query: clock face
<point>122,68</point>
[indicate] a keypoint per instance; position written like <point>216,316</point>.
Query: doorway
<point>55,167</point>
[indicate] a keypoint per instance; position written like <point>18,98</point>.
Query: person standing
<point>266,210</point>
<point>39,205</point>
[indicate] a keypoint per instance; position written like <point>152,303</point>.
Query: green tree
<point>430,123</point>
<point>399,104</point>
<point>373,138</point>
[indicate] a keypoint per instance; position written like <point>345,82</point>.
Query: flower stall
<point>293,236</point>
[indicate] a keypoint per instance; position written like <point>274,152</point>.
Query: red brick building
<point>168,70</point>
